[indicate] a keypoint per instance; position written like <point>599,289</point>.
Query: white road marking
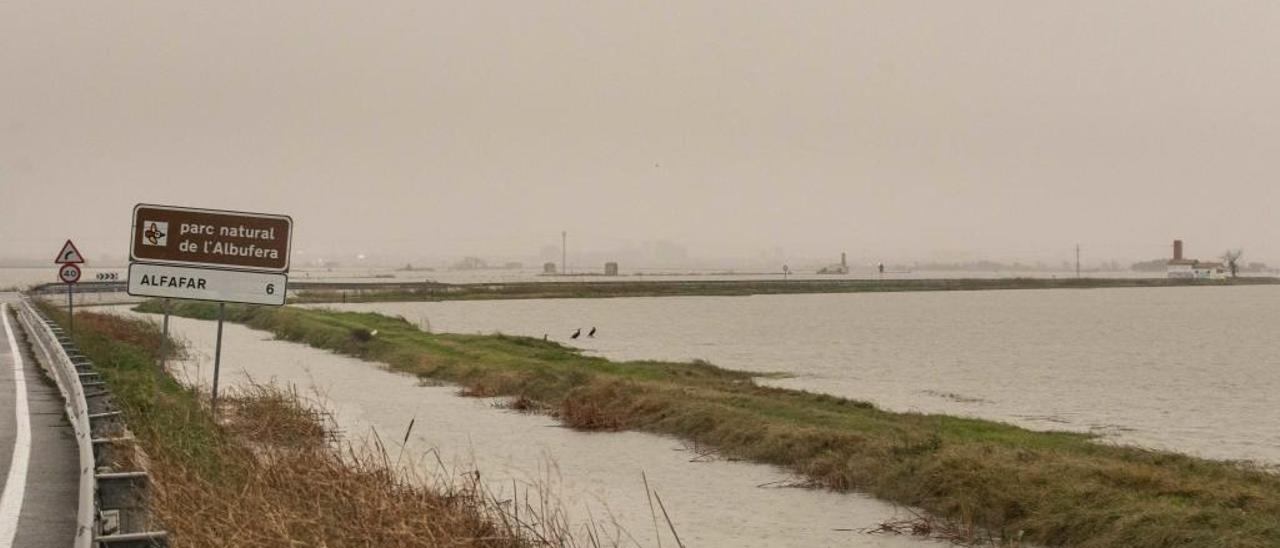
<point>16,486</point>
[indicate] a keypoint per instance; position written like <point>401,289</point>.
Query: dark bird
<point>576,333</point>
<point>592,333</point>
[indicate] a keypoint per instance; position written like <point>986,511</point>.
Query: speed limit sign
<point>69,273</point>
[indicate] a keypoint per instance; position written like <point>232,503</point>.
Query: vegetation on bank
<point>1051,488</point>
<point>269,473</point>
<point>305,292</point>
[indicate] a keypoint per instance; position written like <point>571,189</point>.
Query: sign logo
<point>155,233</point>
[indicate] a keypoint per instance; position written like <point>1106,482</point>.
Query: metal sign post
<point>217,360</point>
<point>209,255</point>
<point>164,337</point>
<point>69,273</point>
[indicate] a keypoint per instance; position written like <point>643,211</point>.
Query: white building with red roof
<point>1181,267</point>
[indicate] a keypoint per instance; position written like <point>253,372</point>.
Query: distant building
<point>548,268</point>
<point>470,263</point>
<point>1181,267</point>
<point>842,268</point>
<point>611,269</point>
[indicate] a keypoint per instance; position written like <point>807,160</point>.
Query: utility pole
<point>1077,260</point>
<point>564,246</point>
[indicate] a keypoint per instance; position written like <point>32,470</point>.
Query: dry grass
<point>273,473</point>
<point>291,486</point>
<point>275,418</point>
<point>587,410</point>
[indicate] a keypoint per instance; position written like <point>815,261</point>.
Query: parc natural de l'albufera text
<point>228,249</point>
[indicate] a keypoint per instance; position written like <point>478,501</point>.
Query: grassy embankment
<point>374,292</point>
<point>269,473</point>
<point>1058,489</point>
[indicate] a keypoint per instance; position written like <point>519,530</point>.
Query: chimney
<point>1177,250</point>
<point>843,262</point>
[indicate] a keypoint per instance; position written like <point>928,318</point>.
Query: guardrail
<point>45,343</point>
<point>82,287</point>
<point>111,512</point>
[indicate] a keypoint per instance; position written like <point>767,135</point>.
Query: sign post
<point>217,358</point>
<point>209,255</point>
<point>164,337</point>
<point>69,273</point>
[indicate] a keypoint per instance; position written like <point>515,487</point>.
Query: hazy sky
<point>892,129</point>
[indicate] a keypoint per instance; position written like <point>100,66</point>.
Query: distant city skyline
<point>666,254</point>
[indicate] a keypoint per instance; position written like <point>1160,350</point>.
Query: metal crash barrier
<point>112,511</point>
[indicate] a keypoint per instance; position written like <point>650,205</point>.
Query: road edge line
<point>15,486</point>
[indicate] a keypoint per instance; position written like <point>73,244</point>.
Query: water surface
<point>1191,369</point>
<point>596,477</point>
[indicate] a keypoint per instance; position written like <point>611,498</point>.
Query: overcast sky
<point>892,130</point>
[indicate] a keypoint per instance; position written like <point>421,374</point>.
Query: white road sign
<point>69,254</point>
<point>205,284</point>
<point>69,273</point>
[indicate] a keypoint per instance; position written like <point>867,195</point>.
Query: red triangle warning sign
<point>69,254</point>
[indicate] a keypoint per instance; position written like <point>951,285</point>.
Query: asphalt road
<point>38,455</point>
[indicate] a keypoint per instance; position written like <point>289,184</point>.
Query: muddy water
<point>595,477</point>
<point>1195,370</point>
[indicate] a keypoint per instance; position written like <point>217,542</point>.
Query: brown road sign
<point>211,237</point>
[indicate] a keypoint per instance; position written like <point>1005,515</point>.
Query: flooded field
<point>1195,370</point>
<point>594,477</point>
